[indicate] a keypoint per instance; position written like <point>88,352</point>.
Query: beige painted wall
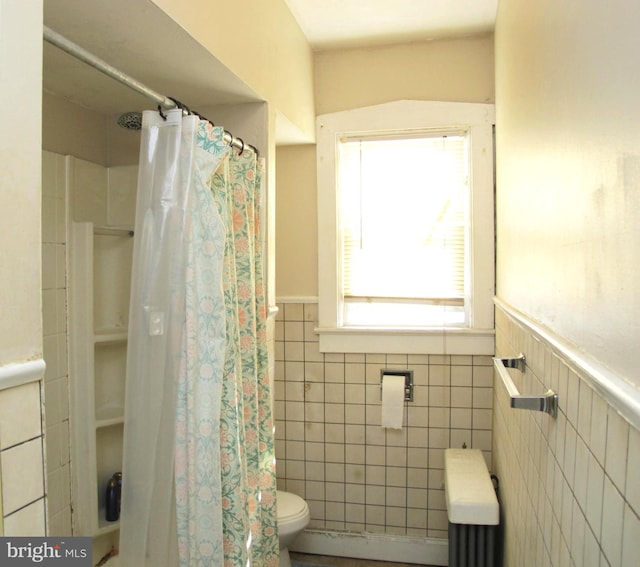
<point>296,222</point>
<point>20,159</point>
<point>454,70</point>
<point>568,172</point>
<point>447,70</point>
<point>262,44</point>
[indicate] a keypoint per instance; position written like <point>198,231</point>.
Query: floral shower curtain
<point>199,471</point>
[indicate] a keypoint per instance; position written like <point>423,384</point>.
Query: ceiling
<point>330,24</point>
<point>133,29</point>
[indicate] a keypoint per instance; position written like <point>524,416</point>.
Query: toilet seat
<point>291,508</point>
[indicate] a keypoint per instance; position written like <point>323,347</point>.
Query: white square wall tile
<point>612,522</point>
<point>29,521</point>
<point>19,414</point>
<point>630,538</point>
<point>22,475</point>
<point>616,451</point>
<point>598,435</point>
<point>633,470</point>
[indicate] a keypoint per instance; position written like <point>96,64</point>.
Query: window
<point>405,213</point>
<point>403,208</point>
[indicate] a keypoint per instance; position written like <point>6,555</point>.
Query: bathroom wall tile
<point>279,329</point>
<point>482,419</point>
<point>584,411</point>
<point>49,266</point>
<point>483,398</point>
<point>293,331</point>
<point>570,451</point>
<point>573,397</point>
<point>376,475</point>
<point>314,452</point>
<point>396,476</point>
<point>22,479</point>
<point>90,199</point>
<point>633,470</point>
<point>395,516</point>
<point>354,373</point>
<point>439,375</point>
<point>612,523</point>
<point>461,397</point>
<point>310,312</point>
<point>616,451</point>
<point>462,376</point>
<point>295,391</point>
<point>630,538</point>
<point>19,414</point>
<point>374,516</point>
<point>417,518</point>
<point>294,370</point>
<point>294,351</point>
<point>60,523</point>
<point>315,490</point>
<point>293,311</point>
<point>29,521</point>
<point>334,372</point>
<point>295,430</point>
<point>339,425</point>
<point>335,492</point>
<point>333,432</point>
<point>354,393</point>
<point>417,478</point>
<point>295,470</point>
<point>563,481</point>
<point>355,494</point>
<point>49,312</point>
<point>312,351</point>
<point>580,483</point>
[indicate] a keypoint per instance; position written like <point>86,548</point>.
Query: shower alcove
<point>97,159</point>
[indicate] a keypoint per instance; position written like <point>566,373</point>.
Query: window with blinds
<point>404,209</point>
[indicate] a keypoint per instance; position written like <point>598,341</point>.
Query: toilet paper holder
<point>408,381</point>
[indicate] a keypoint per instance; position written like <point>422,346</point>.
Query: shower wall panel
<point>79,190</point>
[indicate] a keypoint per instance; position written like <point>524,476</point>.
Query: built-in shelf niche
<point>110,361</point>
<point>100,279</point>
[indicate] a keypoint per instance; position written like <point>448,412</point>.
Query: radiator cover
<point>473,545</point>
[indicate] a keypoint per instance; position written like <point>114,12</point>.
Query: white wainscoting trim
<point>619,393</point>
<point>17,374</point>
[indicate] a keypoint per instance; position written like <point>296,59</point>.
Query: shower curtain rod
<point>162,101</point>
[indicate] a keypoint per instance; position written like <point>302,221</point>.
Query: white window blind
<point>404,218</point>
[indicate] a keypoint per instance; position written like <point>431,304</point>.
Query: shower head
<point>131,120</point>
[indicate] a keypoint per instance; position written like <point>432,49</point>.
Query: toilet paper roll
<point>392,401</point>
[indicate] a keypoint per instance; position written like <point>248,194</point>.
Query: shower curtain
<point>198,467</point>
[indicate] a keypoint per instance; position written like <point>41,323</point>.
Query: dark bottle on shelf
<point>113,512</point>
<point>118,478</point>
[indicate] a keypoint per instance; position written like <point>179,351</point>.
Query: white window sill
<point>407,341</point>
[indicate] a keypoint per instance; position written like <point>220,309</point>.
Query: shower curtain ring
<point>242,142</point>
<point>163,116</point>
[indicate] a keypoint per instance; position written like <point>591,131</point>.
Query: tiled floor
<point>345,562</point>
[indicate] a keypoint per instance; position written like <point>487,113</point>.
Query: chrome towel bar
<point>547,402</point>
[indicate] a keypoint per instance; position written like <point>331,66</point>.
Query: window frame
<point>475,118</point>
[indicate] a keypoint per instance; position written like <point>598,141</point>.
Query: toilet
<point>293,517</point>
